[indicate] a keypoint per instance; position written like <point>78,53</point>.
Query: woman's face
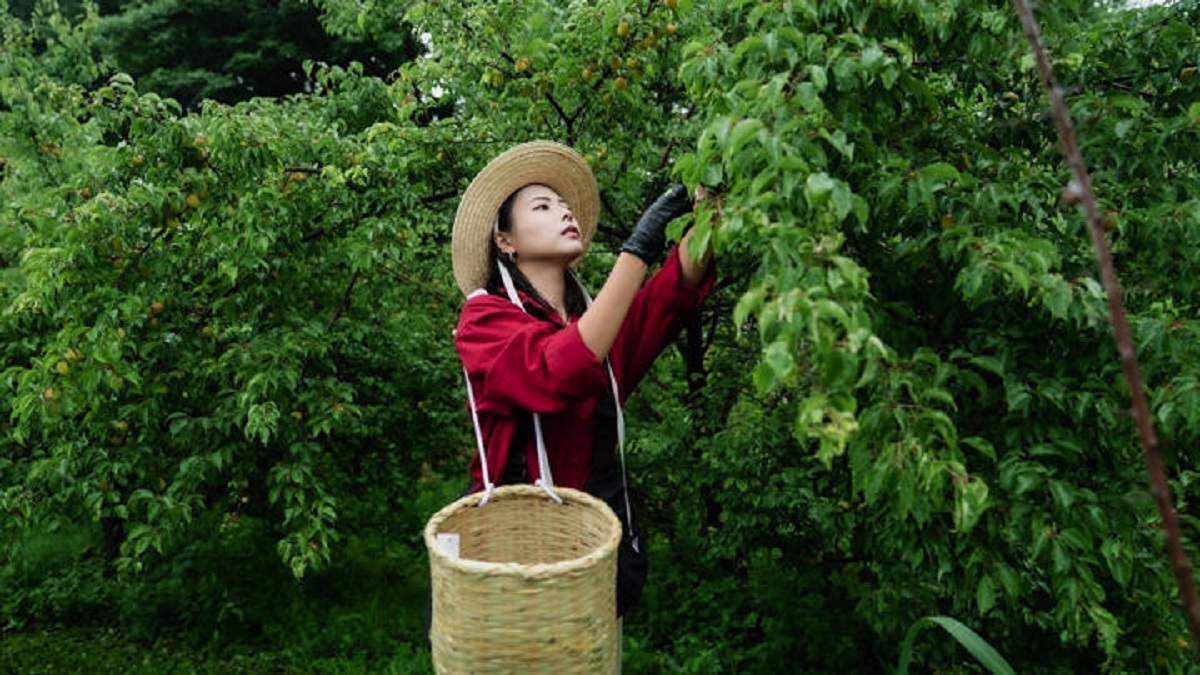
<point>543,229</point>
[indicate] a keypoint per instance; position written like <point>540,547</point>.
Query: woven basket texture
<point>533,589</point>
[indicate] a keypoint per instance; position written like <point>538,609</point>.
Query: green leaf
<point>843,201</point>
<point>713,174</point>
<point>980,445</point>
<point>984,653</point>
<point>838,141</point>
<point>941,172</point>
<point>1120,563</point>
<point>748,305</point>
<point>776,367</point>
<point>970,504</point>
<point>985,595</point>
<point>818,187</point>
<point>1063,493</point>
<point>1057,298</point>
<point>743,132</point>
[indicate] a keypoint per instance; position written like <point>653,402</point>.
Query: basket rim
<point>569,496</point>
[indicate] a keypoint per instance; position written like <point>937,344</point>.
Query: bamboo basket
<point>531,588</point>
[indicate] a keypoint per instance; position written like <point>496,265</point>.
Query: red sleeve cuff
<point>578,370</point>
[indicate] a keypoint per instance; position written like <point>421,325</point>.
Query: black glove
<point>649,237</point>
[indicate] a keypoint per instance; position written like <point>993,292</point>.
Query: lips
<point>571,231</point>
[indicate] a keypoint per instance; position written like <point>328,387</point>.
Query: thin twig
<point>439,196</point>
<point>1081,189</point>
<point>345,303</point>
<point>141,252</point>
<point>568,120</point>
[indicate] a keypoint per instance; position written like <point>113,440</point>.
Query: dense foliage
<point>221,50</point>
<point>226,331</point>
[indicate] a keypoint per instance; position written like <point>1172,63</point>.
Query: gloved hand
<point>649,237</point>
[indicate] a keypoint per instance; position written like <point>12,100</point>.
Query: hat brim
<point>544,162</point>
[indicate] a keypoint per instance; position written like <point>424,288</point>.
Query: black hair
<point>573,296</point>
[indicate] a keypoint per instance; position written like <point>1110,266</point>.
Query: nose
<point>568,214</point>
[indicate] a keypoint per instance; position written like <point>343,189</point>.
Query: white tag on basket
<point>449,544</point>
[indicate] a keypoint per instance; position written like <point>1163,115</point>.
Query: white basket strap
<point>545,479</point>
<point>488,486</point>
<point>621,448</point>
<point>587,298</point>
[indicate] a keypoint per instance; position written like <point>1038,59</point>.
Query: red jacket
<point>520,363</point>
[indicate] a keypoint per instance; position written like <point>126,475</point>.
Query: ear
<point>503,242</point>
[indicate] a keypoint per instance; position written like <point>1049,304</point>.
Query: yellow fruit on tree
<point>63,368</point>
<point>193,200</point>
<point>621,83</point>
<point>157,307</point>
<point>623,28</point>
<point>671,4</point>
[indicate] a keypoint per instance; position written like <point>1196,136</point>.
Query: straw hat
<point>546,162</point>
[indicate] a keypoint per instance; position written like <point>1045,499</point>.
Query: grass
<point>105,650</point>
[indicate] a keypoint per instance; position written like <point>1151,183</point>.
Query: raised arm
<point>600,323</point>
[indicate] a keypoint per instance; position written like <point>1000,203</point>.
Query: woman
<point>530,342</point>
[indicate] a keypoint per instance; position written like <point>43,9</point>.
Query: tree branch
<point>345,302</point>
<point>439,196</point>
<point>141,252</point>
<point>1080,190</point>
